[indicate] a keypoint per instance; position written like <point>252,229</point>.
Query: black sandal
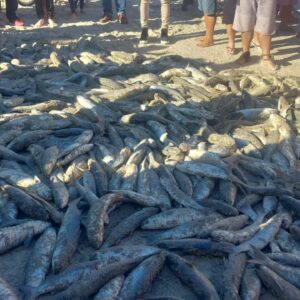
<point>244,58</point>
<point>268,57</point>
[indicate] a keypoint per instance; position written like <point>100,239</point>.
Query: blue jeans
<point>120,6</point>
<point>73,5</point>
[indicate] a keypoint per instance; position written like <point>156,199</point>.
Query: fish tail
<point>237,250</point>
<point>226,247</point>
<point>28,293</point>
<point>153,240</point>
<point>258,257</point>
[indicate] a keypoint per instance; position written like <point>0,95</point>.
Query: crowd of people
<point>255,19</point>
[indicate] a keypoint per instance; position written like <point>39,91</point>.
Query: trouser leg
<point>144,13</point>
<point>50,9</point>
<point>121,6</point>
<point>73,5</point>
<point>81,4</point>
<point>11,9</point>
<point>40,8</point>
<point>107,7</point>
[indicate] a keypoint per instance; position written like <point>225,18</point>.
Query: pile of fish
<point>201,164</point>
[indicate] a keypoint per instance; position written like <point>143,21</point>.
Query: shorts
<point>208,7</point>
<point>229,11</point>
<point>255,15</point>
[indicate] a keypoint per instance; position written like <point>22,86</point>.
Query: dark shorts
<point>208,7</point>
<point>229,11</point>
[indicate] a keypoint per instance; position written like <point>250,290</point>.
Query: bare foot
<point>205,43</point>
<point>51,23</point>
<point>201,38</point>
<point>40,23</point>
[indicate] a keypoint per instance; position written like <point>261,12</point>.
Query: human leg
<point>165,13</point>
<point>266,59</point>
<point>144,19</point>
<point>121,6</point>
<point>11,10</point>
<point>121,11</point>
<point>228,17</point>
<point>209,9</point>
<point>265,26</point>
<point>244,21</point>
<point>107,12</point>
<point>81,5</point>
<point>40,9</point>
<point>73,6</point>
<point>231,39</point>
<point>107,7</point>
<point>144,13</point>
<point>208,39</point>
<point>50,8</point>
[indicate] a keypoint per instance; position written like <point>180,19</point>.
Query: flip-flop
<point>230,50</point>
<point>244,58</point>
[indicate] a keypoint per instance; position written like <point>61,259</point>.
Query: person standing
<point>186,3</point>
<point>73,7</point>
<point>285,14</point>
<point>259,16</point>
<point>108,11</point>
<point>228,17</point>
<point>209,9</point>
<point>11,13</point>
<point>44,11</point>
<point>165,17</point>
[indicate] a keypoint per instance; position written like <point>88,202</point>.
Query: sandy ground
<point>185,27</point>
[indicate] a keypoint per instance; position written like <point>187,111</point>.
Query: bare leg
<point>246,41</point>
<point>256,38</point>
<point>208,40</point>
<point>201,38</point>
<point>231,39</point>
<point>265,44</point>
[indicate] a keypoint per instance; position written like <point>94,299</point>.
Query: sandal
<point>266,60</point>
<point>230,50</point>
<point>244,58</point>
